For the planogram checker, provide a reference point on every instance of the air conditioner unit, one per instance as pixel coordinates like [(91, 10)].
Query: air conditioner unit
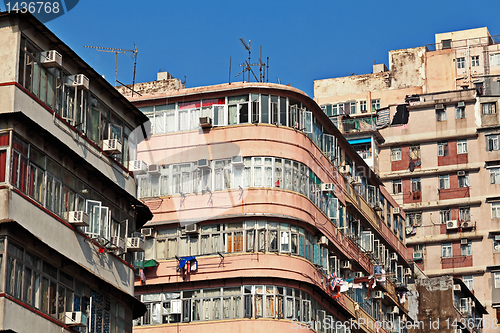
[(75, 318), (112, 146), (323, 240), (377, 206), (77, 218), (205, 122), (359, 274), (344, 264), (408, 272), (394, 256), (116, 242), (154, 169), (466, 224), (460, 173), (396, 210), (461, 104), (191, 228), (203, 163), (394, 309), (327, 187), (135, 244), (464, 241), (497, 237), (138, 166), (147, 232), (378, 294), (51, 58), (237, 160), (456, 287), (345, 169), (440, 106), (453, 224), (78, 80), (356, 180)]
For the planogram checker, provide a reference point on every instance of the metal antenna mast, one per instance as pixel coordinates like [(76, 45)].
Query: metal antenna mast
[(116, 51), (247, 65)]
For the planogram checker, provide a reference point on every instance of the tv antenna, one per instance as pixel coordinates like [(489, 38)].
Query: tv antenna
[(247, 65), (116, 51)]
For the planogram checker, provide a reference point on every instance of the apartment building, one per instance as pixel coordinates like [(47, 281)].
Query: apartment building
[(68, 209), (435, 151), (259, 205)]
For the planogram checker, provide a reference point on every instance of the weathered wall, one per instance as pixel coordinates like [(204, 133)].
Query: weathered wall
[(151, 88)]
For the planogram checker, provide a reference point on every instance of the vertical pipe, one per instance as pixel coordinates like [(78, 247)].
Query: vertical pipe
[(229, 70)]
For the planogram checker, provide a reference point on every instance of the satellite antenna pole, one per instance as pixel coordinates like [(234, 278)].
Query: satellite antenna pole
[(115, 51), (135, 64), (267, 69), (229, 70)]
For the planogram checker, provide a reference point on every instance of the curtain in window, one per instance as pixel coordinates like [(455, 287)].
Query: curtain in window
[(233, 114), (183, 120), (171, 247)]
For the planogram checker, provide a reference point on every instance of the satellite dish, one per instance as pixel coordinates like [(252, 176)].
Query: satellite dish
[(418, 163)]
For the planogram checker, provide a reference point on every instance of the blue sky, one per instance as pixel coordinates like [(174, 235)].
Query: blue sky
[(304, 40)]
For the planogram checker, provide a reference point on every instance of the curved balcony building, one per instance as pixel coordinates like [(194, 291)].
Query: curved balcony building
[(258, 200)]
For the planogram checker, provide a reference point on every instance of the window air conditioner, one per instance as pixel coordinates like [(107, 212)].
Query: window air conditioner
[(417, 255), (138, 166), (464, 241), (191, 228), (77, 218), (461, 104), (78, 80), (135, 244), (75, 318), (497, 237), (116, 243), (147, 232), (408, 272), (112, 146), (203, 163), (323, 240), (456, 287), (51, 58), (345, 169), (358, 274), (205, 122), (466, 224), (394, 256), (237, 160), (154, 169), (344, 264), (356, 180), (378, 294), (396, 210), (327, 187), (377, 206), (460, 173), (439, 106), (453, 224)]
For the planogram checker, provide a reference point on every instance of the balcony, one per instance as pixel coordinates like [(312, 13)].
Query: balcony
[(358, 125)]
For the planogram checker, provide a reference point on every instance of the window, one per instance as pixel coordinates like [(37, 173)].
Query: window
[(418, 251), (444, 216), (466, 249), (495, 209), (416, 185), (489, 108), (415, 152), (463, 180), (443, 148), (495, 176), (397, 186), (474, 61), (375, 104), (462, 147), (446, 43), (460, 112), (414, 219), (468, 280), (496, 276), (440, 114), (461, 62), (362, 106), (495, 59), (444, 182), (464, 214), (491, 142), (447, 250), (396, 154)]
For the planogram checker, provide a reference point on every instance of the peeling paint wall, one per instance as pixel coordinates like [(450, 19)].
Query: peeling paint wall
[(152, 88)]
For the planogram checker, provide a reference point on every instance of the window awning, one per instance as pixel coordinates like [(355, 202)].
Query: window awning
[(150, 263), (365, 140)]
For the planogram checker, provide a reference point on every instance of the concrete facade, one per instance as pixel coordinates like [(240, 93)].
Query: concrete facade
[(68, 209)]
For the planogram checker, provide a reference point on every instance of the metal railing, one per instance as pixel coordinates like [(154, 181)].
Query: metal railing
[(471, 42)]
